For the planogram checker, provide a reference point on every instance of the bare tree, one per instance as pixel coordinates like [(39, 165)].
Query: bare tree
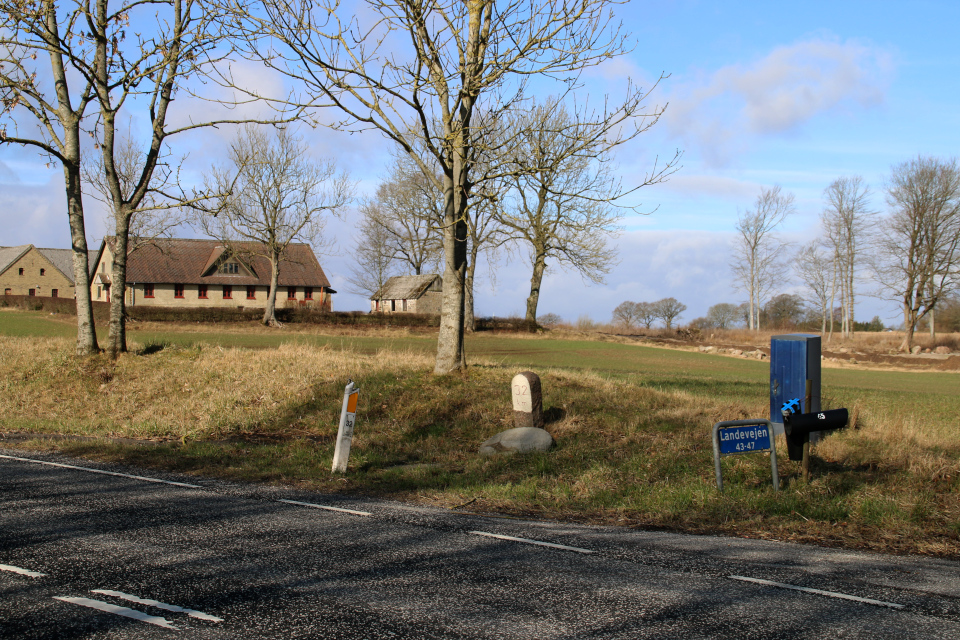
[(758, 252), (624, 315), (409, 207), (46, 86), (374, 258), (847, 221), (155, 216), (417, 70), (646, 314), (918, 256), (784, 311), (563, 193), (127, 56), (279, 197), (724, 314), (816, 270), (668, 310)]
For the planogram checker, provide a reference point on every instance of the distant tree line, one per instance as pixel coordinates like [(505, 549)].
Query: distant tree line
[(911, 255), (645, 314)]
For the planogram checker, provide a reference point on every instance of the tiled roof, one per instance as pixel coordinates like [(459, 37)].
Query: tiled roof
[(62, 259), (185, 261), (408, 287), (9, 255)]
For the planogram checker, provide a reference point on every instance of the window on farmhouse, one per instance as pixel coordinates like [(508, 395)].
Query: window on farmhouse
[(227, 292), (33, 292), (178, 291), (229, 268), (147, 290), (21, 271), (43, 272), (251, 293), (202, 291), (308, 293), (54, 293), (291, 293), (8, 292)]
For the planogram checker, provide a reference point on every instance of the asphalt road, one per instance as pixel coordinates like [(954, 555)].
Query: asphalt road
[(94, 555)]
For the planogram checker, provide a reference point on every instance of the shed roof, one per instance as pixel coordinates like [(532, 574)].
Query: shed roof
[(408, 287)]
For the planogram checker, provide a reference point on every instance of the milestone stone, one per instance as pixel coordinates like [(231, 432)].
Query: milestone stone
[(527, 400)]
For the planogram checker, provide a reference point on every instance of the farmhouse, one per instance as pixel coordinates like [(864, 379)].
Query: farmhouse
[(31, 271), (204, 273), (409, 294)]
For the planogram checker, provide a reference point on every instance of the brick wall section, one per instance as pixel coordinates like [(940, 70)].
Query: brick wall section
[(429, 302), (43, 285)]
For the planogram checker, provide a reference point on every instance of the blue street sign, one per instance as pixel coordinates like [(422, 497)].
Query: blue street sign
[(733, 437), (749, 439)]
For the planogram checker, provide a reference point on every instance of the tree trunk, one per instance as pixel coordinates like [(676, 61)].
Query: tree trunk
[(450, 353), (470, 320), (908, 328), (833, 298), (117, 337), (86, 328), (270, 313), (539, 265)]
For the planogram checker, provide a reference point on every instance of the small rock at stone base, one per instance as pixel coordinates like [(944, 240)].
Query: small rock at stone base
[(518, 440), (942, 349), (916, 349)]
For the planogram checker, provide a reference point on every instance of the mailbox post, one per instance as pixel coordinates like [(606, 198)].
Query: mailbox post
[(795, 374)]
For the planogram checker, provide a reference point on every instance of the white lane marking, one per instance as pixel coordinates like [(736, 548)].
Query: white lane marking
[(528, 541), (23, 572), (200, 615), (120, 611), (322, 506), (106, 473), (820, 592)]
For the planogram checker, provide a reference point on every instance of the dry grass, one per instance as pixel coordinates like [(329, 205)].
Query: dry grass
[(628, 452)]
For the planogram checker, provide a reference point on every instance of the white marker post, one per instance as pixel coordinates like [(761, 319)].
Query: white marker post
[(348, 417)]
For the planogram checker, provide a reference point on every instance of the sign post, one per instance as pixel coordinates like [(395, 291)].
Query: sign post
[(348, 416), (736, 437)]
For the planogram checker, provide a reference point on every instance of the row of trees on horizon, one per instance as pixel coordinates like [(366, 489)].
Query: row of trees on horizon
[(910, 254)]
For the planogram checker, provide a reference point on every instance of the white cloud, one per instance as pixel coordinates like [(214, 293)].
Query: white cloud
[(776, 94)]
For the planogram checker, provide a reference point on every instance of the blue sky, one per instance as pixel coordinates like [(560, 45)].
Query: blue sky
[(759, 94)]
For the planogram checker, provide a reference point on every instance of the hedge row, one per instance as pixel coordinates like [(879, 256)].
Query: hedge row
[(68, 306), (298, 315)]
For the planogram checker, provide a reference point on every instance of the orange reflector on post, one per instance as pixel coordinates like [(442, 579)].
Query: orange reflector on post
[(352, 402)]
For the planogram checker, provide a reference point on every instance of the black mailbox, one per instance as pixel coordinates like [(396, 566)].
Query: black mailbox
[(798, 427)]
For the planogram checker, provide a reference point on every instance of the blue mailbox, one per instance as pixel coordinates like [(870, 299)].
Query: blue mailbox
[(794, 373)]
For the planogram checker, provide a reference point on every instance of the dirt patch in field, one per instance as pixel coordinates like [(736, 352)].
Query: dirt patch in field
[(838, 356)]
